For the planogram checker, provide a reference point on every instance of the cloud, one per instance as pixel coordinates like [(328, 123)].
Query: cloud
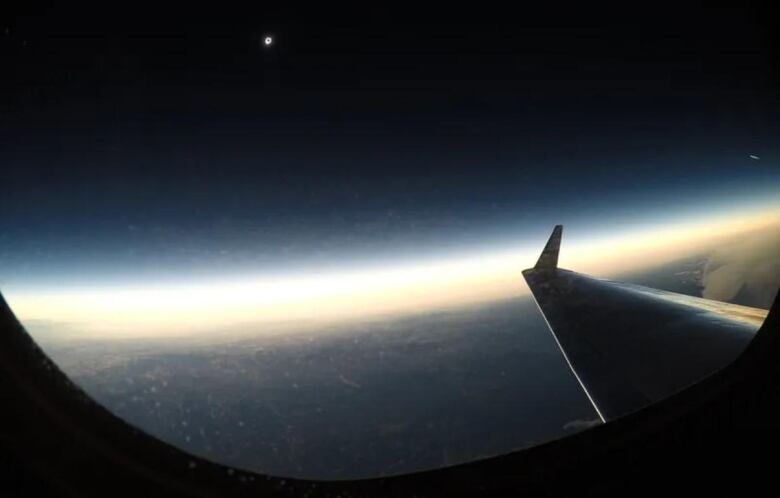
[(580, 424), (745, 272)]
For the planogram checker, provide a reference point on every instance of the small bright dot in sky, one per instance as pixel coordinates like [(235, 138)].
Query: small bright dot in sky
[(267, 41), (754, 157)]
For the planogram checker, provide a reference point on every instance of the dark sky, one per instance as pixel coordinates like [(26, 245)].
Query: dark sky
[(141, 134)]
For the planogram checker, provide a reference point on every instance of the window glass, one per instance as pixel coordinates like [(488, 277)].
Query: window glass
[(292, 241)]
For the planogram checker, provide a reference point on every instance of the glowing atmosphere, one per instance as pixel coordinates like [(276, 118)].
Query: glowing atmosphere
[(281, 301)]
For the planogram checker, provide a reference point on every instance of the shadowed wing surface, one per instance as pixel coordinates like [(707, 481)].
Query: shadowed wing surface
[(629, 345)]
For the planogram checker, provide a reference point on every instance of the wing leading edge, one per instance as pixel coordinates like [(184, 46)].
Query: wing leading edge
[(629, 345)]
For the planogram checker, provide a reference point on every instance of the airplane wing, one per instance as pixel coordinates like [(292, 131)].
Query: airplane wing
[(629, 345)]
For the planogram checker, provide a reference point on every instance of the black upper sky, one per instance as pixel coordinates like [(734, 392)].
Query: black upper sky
[(144, 126)]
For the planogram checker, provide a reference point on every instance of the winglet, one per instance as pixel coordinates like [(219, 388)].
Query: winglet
[(549, 257)]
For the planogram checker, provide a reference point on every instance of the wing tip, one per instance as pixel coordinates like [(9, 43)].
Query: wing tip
[(549, 257)]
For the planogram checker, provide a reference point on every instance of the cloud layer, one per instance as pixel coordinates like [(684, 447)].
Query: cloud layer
[(746, 271)]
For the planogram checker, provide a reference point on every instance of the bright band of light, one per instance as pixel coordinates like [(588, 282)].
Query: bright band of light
[(216, 306)]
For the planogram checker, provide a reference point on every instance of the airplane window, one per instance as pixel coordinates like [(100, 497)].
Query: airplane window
[(294, 243)]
